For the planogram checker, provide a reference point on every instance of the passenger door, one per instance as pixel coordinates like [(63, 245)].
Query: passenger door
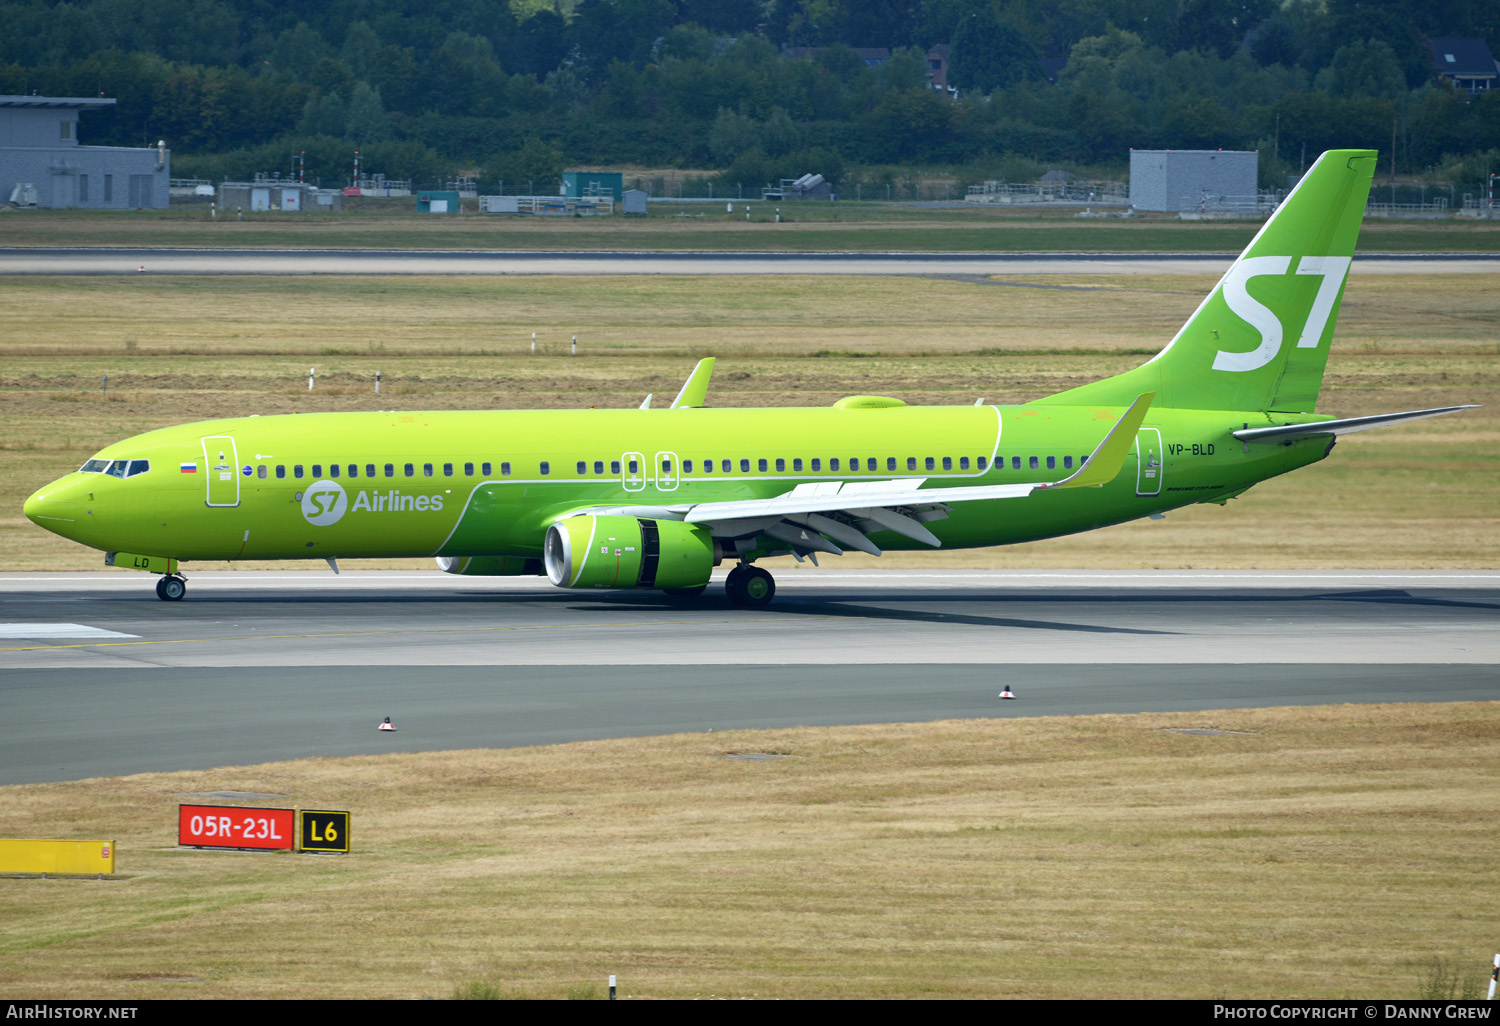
[(1148, 464), (221, 465)]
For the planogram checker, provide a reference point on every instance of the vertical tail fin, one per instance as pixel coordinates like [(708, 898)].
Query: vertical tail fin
[(1260, 340)]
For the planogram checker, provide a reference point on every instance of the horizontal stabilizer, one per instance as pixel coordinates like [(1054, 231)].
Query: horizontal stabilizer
[(1290, 432)]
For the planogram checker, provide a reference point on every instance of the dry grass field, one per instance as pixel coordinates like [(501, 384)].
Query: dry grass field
[(1312, 852), (177, 349)]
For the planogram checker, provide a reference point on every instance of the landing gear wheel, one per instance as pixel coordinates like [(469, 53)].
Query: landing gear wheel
[(750, 586), (171, 589)]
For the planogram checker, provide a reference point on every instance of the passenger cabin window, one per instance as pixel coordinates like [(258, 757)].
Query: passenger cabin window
[(354, 470), (963, 463), (582, 468), (745, 466), (635, 467), (796, 464), (948, 462), (317, 470), (761, 464), (410, 469), (1034, 463), (280, 471), (427, 470), (911, 463), (1067, 463), (598, 466), (447, 470), (468, 470), (614, 466), (983, 460), (687, 466), (1015, 463), (780, 464), (261, 472), (546, 468), (1051, 462), (505, 470), (890, 463), (833, 463), (333, 470), (708, 466), (930, 464), (390, 470), (666, 466), (484, 468)]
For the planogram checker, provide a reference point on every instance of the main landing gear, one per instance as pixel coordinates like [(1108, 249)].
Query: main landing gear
[(170, 588), (750, 586)]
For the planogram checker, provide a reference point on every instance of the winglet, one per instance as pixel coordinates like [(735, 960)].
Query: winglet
[(695, 389), (1105, 462)]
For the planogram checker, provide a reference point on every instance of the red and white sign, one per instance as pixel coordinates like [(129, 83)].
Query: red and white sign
[(233, 826)]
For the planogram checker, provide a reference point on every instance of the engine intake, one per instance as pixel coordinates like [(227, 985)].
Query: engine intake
[(628, 552)]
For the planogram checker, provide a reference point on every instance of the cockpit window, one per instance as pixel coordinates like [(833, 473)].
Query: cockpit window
[(116, 468)]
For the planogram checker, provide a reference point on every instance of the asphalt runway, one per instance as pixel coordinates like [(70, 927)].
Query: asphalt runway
[(98, 677), (83, 261)]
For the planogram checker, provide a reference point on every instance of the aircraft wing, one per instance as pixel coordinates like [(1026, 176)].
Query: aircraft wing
[(829, 516)]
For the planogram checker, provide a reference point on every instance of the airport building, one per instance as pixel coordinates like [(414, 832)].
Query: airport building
[(1193, 180), (42, 164)]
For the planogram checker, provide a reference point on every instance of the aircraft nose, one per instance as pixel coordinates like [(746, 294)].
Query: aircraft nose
[(53, 507)]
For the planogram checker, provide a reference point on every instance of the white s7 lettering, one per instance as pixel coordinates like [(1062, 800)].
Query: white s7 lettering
[(1264, 320)]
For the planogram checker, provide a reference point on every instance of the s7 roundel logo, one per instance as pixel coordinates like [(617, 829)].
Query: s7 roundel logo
[(1263, 319), (324, 503)]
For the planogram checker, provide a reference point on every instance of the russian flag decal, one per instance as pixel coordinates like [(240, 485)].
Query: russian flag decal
[(188, 468)]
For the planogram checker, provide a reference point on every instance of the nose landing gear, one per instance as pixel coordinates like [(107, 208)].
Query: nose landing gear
[(170, 588), (749, 585)]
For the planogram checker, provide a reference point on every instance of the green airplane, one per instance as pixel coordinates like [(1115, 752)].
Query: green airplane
[(656, 498)]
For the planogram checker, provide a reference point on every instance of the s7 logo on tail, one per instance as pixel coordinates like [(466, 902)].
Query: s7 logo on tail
[(1266, 321)]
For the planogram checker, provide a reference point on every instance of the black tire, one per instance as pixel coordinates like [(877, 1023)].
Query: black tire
[(171, 589), (750, 586)]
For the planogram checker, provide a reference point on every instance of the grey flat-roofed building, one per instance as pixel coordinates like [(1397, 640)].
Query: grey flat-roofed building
[(1181, 180), (39, 149)]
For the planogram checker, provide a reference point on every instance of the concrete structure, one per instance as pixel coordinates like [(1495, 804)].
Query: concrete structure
[(580, 184), (265, 194), (1193, 180), (41, 161)]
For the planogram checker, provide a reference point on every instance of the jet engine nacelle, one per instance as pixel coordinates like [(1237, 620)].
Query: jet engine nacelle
[(628, 552), (490, 566)]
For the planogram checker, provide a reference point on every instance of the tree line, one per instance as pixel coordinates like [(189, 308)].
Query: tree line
[(518, 90)]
